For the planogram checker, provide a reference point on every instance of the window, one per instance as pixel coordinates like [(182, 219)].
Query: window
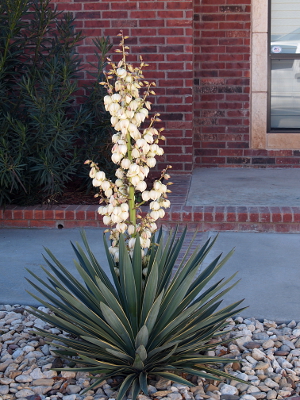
[(284, 64), (262, 136)]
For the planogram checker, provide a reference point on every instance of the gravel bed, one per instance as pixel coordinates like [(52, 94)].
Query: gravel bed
[(269, 355)]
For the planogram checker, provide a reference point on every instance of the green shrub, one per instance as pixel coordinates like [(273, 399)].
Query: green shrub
[(96, 131), (43, 132), (145, 321)]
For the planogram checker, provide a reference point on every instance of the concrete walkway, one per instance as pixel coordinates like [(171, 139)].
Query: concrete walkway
[(245, 187), (268, 265)]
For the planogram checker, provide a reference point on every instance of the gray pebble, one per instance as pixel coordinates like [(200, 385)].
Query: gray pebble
[(72, 389), (4, 389), (24, 393)]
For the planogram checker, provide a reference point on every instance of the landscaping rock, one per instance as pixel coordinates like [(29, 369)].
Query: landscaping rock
[(267, 358)]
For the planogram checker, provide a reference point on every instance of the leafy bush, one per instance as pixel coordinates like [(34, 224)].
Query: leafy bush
[(144, 322), (97, 129), (43, 132)]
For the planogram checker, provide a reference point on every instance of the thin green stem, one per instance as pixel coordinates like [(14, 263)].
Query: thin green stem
[(131, 199), (132, 209)]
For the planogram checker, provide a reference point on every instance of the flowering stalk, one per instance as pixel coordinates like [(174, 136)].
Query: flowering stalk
[(131, 193), (134, 152)]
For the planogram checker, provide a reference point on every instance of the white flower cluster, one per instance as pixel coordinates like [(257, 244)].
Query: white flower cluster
[(134, 151)]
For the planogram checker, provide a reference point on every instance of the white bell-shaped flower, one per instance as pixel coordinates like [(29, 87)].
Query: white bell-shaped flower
[(96, 182), (116, 257), (148, 138), (100, 175), (146, 234), (106, 220), (161, 213), (135, 180), (113, 108), (154, 148), (108, 192), (145, 243), (121, 73), (105, 185), (124, 215), (110, 208), (145, 170), (154, 205), (131, 243), (154, 215), (124, 123), (145, 148), (121, 227), (134, 132), (159, 187), (140, 143), (153, 227), (119, 172), (129, 114), (145, 112), (117, 126), (118, 86), (125, 163), (124, 207), (119, 182), (166, 203), (107, 100), (116, 158), (151, 162), (116, 218), (133, 170), (131, 229), (146, 195), (135, 153), (115, 137), (116, 97), (134, 104), (139, 118), (122, 149), (160, 151), (141, 186), (102, 210), (112, 250), (117, 211), (154, 195), (92, 173)]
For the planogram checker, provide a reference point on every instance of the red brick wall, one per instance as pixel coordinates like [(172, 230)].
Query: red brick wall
[(222, 71), (222, 89), (206, 120), (162, 32)]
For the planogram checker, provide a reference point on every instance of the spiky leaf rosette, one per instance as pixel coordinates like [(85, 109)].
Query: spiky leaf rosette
[(148, 320)]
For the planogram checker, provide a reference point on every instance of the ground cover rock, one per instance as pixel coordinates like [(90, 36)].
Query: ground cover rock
[(267, 358), (228, 389)]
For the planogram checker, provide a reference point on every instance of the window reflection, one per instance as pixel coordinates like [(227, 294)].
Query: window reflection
[(285, 26), (285, 71), (285, 94)]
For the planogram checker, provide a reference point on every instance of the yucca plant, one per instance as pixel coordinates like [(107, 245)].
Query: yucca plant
[(147, 320)]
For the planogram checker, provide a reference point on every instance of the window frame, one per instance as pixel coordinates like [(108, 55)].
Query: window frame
[(260, 136), (273, 56)]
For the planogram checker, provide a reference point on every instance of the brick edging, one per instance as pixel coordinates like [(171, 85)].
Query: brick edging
[(202, 218)]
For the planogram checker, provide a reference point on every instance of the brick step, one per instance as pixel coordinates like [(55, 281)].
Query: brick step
[(202, 218)]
